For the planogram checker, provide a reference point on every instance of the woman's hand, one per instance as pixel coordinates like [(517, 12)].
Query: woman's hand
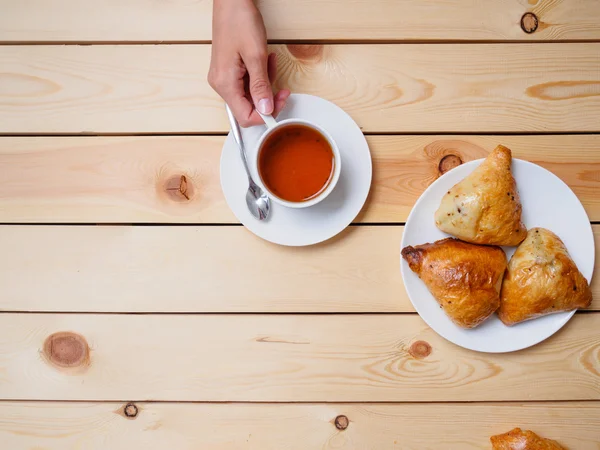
[(241, 70)]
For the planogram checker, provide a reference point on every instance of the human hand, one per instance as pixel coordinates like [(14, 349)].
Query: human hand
[(241, 70)]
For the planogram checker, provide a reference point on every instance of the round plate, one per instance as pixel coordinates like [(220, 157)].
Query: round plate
[(547, 202), (297, 227)]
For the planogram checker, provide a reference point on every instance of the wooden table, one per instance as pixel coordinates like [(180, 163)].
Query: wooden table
[(134, 313)]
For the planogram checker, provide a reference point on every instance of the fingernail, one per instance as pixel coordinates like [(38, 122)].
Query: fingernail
[(265, 106)]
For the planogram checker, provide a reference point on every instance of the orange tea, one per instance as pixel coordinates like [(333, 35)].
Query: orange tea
[(296, 163)]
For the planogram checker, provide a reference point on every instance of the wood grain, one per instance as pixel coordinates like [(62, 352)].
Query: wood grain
[(190, 269), (186, 426), (102, 361), (136, 179), (113, 179), (325, 358), (386, 88), (183, 20)]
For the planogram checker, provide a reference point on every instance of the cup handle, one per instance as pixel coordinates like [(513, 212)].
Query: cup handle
[(270, 122)]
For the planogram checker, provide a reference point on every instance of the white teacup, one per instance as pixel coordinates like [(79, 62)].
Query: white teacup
[(272, 126)]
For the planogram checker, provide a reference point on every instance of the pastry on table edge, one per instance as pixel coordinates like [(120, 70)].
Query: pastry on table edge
[(464, 278), (484, 208), (518, 439)]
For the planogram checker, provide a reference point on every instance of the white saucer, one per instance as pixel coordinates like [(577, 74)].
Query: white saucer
[(298, 227), (547, 202)]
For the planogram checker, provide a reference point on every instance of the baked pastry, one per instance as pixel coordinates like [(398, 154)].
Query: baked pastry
[(484, 208), (464, 278), (541, 279), (518, 439)]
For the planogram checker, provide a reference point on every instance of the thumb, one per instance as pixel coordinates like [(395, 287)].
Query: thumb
[(260, 87)]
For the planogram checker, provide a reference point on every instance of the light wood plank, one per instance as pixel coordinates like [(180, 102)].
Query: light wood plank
[(182, 20), (285, 358), (199, 269), (132, 179), (386, 88), (113, 179), (71, 426), (192, 269)]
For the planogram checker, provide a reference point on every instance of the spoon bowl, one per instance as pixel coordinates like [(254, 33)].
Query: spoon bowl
[(257, 201)]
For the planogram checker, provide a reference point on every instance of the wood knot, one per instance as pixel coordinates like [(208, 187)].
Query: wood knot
[(130, 410), (529, 22), (306, 53), (179, 188), (420, 349), (341, 422), (449, 162), (66, 349)]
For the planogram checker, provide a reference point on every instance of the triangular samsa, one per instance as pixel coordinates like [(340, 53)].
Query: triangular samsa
[(518, 439), (484, 208), (464, 278), (541, 279)]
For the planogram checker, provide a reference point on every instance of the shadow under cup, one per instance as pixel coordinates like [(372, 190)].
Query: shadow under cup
[(298, 163)]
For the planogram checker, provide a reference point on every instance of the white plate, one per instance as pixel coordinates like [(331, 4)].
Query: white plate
[(547, 202), (296, 227)]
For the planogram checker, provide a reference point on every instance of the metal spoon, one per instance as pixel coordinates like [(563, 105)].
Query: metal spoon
[(257, 201)]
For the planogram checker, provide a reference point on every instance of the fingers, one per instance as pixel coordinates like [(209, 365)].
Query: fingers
[(260, 86), (282, 96), (245, 113), (272, 67), (234, 90), (280, 101)]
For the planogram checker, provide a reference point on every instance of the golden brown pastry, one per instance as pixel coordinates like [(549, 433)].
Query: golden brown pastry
[(464, 278), (484, 208), (541, 279), (518, 439)]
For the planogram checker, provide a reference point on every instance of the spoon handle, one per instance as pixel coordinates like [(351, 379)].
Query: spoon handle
[(237, 135), (268, 119)]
